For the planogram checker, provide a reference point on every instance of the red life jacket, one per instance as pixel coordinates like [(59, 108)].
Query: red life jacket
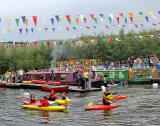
[(52, 97), (44, 103)]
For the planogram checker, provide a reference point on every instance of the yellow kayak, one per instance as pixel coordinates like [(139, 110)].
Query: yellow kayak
[(49, 108), (27, 82), (63, 102)]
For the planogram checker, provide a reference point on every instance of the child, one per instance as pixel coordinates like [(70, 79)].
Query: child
[(44, 102), (52, 96), (32, 99), (64, 96)]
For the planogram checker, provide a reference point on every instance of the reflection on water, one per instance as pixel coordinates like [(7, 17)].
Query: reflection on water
[(142, 107)]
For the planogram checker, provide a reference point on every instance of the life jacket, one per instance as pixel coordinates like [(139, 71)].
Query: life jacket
[(21, 72), (52, 97), (44, 103)]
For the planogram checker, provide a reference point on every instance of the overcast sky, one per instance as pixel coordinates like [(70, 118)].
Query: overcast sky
[(50, 8)]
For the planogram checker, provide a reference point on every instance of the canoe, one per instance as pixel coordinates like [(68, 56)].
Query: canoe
[(27, 82), (102, 107), (49, 108), (63, 102), (28, 103), (119, 97), (38, 81), (3, 85), (54, 83), (113, 84), (55, 88)]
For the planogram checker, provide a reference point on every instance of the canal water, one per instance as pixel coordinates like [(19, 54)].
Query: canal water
[(141, 108)]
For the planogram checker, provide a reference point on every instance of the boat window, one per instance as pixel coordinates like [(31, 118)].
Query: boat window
[(106, 74), (63, 76), (42, 77), (33, 77)]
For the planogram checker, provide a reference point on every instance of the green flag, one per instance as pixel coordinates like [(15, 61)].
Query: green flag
[(110, 19), (17, 21), (125, 20), (95, 19), (70, 20), (141, 13)]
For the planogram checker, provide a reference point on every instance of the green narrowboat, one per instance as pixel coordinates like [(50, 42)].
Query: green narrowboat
[(119, 75)]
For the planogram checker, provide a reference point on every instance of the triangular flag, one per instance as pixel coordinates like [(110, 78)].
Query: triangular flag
[(92, 16), (98, 41), (154, 24), (94, 26), (136, 25), (26, 21), (110, 19), (7, 43), (26, 30), (85, 20), (88, 27), (158, 12), (130, 14), (147, 36), (42, 43), (131, 18), (73, 42), (17, 21), (60, 19), (139, 18), (110, 40), (118, 20), (20, 30), (77, 20), (147, 18), (52, 21), (53, 29), (32, 29), (121, 14), (23, 19), (35, 44), (68, 17), (57, 17), (48, 43), (142, 25), (151, 13), (125, 20), (8, 20), (107, 27), (67, 28), (35, 20), (70, 20), (74, 28), (141, 13), (9, 30), (95, 19), (46, 29), (101, 17)]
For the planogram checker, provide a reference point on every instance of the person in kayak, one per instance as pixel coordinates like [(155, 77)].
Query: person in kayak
[(111, 82), (44, 102), (64, 96), (52, 96), (105, 95), (33, 98), (123, 82)]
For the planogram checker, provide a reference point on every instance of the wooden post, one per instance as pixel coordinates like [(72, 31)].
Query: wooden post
[(89, 81)]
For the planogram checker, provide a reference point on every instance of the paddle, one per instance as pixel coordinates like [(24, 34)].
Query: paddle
[(25, 95), (92, 103)]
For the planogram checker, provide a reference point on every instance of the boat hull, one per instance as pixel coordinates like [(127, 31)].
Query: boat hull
[(102, 107), (55, 88)]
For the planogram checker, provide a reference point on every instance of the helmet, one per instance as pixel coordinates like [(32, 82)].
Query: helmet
[(103, 88), (52, 91)]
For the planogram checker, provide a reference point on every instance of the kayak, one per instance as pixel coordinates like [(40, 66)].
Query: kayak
[(49, 108), (119, 97), (113, 84), (63, 102), (102, 107), (62, 88), (53, 83), (38, 81), (29, 103), (27, 82)]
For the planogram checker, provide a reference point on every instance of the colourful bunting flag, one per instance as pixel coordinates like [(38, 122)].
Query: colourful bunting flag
[(110, 19), (140, 37), (88, 27), (95, 19), (121, 14), (35, 20), (67, 28), (107, 27), (27, 43), (20, 30), (101, 17), (92, 16), (9, 30), (98, 41), (147, 36), (85, 20), (26, 30), (86, 41), (141, 13), (23, 19), (154, 24), (131, 18), (52, 21), (17, 21), (26, 21), (48, 43), (73, 42), (142, 25), (74, 28), (77, 20), (32, 29), (118, 20), (110, 40), (94, 26), (46, 29), (21, 44), (53, 29), (68, 18), (82, 17), (35, 44), (8, 20), (139, 18), (147, 18), (136, 25), (42, 43), (151, 13), (130, 14), (57, 17), (125, 20), (158, 12)]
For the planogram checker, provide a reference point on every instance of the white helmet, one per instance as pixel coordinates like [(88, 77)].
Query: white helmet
[(103, 88)]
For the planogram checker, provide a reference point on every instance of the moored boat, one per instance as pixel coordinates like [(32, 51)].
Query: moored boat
[(61, 88)]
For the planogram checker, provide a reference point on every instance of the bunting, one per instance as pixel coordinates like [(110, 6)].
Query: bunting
[(17, 21), (23, 19), (35, 20), (101, 17), (52, 21)]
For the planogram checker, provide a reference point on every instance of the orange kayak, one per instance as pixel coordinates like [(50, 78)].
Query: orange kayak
[(119, 97)]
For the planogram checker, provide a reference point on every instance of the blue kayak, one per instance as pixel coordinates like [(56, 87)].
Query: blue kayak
[(113, 84)]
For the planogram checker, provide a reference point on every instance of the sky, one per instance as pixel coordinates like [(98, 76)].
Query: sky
[(49, 8)]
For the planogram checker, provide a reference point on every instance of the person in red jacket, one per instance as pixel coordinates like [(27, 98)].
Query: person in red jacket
[(52, 96), (44, 102), (32, 99)]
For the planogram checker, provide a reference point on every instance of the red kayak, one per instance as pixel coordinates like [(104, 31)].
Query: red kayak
[(102, 107), (54, 83), (29, 103), (55, 88), (3, 85), (119, 97), (38, 81)]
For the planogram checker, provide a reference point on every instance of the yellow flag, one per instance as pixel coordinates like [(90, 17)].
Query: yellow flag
[(8, 20), (27, 43), (60, 19), (9, 30), (139, 18), (151, 13), (140, 37)]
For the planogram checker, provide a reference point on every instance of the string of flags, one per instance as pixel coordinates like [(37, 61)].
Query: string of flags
[(120, 19), (79, 42)]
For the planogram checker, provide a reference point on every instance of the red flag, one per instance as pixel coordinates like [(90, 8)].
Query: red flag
[(35, 44), (118, 20), (68, 17), (92, 16), (107, 27), (131, 18), (110, 40), (48, 43), (154, 24), (88, 27), (147, 36), (67, 28), (35, 20), (121, 14), (46, 29), (85, 20), (136, 25), (20, 30), (86, 41)]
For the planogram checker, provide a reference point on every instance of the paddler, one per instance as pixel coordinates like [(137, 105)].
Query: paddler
[(33, 98), (52, 96), (44, 102), (105, 100), (64, 96)]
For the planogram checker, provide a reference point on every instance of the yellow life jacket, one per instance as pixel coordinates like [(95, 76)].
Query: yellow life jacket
[(21, 72)]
